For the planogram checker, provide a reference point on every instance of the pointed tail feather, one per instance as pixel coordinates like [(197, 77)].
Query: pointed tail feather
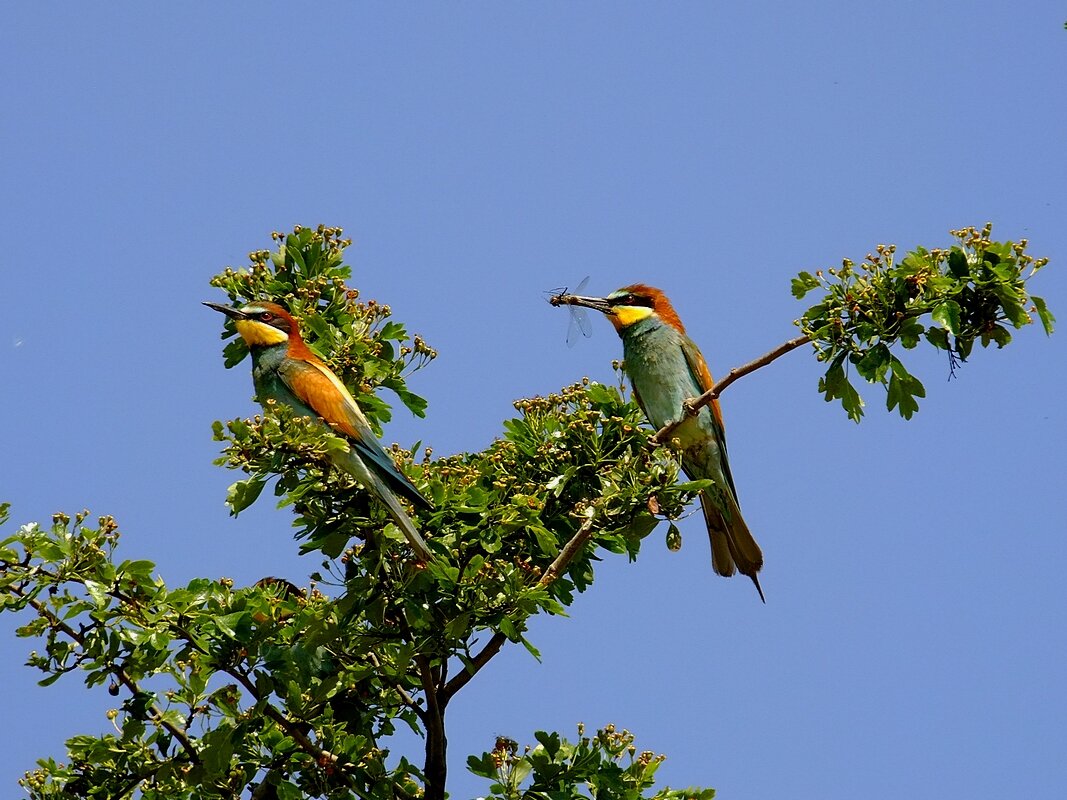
[(352, 464), (732, 544), (407, 527)]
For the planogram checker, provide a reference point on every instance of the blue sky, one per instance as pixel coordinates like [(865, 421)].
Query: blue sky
[(913, 643)]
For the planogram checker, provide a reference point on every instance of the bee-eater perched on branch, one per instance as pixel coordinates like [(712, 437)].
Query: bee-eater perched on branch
[(665, 369), (285, 370)]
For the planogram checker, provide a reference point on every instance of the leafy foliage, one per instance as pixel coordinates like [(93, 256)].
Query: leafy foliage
[(607, 763), (971, 292), (362, 345), (290, 692)]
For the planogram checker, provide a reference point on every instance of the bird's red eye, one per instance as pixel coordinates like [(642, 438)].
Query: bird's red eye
[(266, 316)]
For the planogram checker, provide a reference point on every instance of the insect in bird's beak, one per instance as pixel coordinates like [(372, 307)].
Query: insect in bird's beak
[(601, 304), (233, 313), (579, 319)]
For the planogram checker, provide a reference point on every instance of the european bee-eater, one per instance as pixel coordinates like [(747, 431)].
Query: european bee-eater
[(285, 370), (665, 369)]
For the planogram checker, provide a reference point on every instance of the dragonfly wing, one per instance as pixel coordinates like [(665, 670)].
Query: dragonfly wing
[(579, 318)]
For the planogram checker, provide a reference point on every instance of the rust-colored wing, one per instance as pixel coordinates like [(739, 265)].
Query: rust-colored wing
[(317, 387), (701, 374)]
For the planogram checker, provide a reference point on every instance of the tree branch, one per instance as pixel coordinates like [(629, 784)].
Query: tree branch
[(321, 755), (405, 697), (569, 551), (585, 532), (693, 405), (118, 671), (492, 647), (435, 769)]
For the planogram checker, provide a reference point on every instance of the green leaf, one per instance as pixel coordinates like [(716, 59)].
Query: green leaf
[(938, 337), (415, 403), (228, 622), (803, 283), (601, 394), (902, 391), (998, 334), (318, 325), (520, 771), (549, 741), (641, 526), (947, 315), (287, 791), (836, 386), (507, 627), (957, 264), (242, 494), (530, 648), (483, 766), (98, 592), (293, 254), (1009, 302), (910, 331), (874, 364), (964, 345), (392, 330), (234, 353), (1047, 320)]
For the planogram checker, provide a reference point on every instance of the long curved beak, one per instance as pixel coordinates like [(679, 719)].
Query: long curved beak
[(233, 313), (600, 304)]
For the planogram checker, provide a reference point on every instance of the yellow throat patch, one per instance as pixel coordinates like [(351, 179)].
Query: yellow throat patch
[(625, 316), (259, 334)]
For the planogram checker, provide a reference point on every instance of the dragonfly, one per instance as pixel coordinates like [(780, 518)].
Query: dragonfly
[(579, 319)]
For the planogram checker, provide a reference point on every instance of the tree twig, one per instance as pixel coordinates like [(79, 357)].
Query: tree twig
[(492, 647), (569, 551), (157, 713), (585, 532), (693, 405), (407, 699)]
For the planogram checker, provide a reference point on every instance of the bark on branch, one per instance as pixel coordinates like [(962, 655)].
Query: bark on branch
[(492, 647), (154, 711)]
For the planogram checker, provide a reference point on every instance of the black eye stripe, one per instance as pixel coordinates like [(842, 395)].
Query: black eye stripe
[(272, 319), (632, 300)]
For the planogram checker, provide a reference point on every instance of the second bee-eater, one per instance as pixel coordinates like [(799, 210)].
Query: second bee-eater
[(665, 369), (285, 370)]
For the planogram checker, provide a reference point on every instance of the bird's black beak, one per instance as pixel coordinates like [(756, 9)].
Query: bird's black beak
[(601, 304), (233, 313)]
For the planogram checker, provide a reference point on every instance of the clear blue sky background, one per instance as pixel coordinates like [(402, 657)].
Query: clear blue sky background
[(913, 643)]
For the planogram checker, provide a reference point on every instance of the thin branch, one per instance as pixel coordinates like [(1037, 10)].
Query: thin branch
[(123, 677), (292, 729), (320, 754), (407, 699), (693, 405), (567, 554), (492, 647), (585, 532)]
